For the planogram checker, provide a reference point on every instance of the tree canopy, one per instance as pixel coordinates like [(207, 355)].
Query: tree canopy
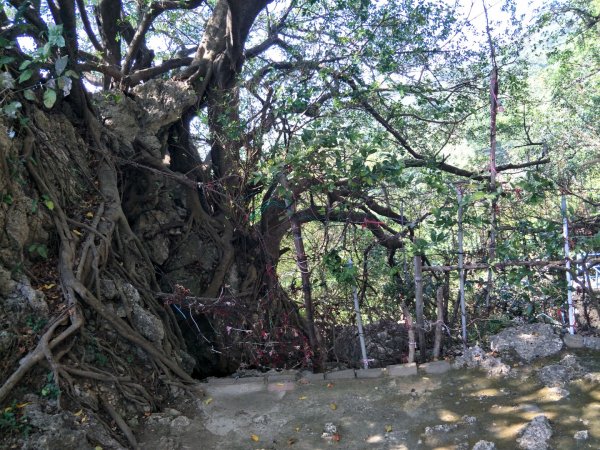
[(230, 156)]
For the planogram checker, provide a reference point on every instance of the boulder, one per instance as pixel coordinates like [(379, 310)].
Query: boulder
[(528, 342), (558, 375), (147, 324), (475, 357), (554, 375), (535, 434)]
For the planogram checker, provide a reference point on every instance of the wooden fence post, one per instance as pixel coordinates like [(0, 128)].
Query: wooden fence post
[(461, 267), (437, 345), (419, 307)]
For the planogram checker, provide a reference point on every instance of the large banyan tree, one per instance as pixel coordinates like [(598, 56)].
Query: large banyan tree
[(169, 146)]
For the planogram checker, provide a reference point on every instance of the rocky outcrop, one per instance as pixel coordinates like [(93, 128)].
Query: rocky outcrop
[(558, 375), (528, 342), (475, 357)]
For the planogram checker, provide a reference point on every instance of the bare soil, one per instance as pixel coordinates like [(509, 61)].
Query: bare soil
[(454, 410)]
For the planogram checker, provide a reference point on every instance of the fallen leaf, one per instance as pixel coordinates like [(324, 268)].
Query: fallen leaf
[(89, 215), (336, 437), (208, 401), (97, 448), (388, 428), (303, 397), (78, 413), (254, 437), (48, 286), (297, 429), (23, 405), (292, 441), (329, 385), (77, 232), (333, 406)]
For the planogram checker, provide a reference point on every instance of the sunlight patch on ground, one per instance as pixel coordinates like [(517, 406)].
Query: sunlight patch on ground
[(508, 431), (375, 439), (488, 392), (448, 416)]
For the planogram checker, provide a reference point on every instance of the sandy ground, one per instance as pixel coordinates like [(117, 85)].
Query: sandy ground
[(454, 410)]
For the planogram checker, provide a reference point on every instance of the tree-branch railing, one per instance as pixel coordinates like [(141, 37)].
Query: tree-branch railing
[(553, 264)]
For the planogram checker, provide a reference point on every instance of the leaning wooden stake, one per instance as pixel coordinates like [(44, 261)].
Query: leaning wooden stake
[(419, 306), (563, 208), (461, 267), (411, 332), (361, 333), (493, 113), (437, 345), (302, 263)]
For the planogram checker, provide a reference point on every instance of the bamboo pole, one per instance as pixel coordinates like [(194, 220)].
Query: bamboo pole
[(461, 268), (439, 323), (419, 306), (563, 208), (361, 333), (493, 172), (411, 332)]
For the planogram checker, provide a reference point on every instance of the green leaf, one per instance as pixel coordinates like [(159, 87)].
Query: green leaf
[(72, 74), (25, 75), (6, 59), (49, 204), (11, 109), (25, 64), (42, 251), (55, 36), (49, 98), (29, 94), (61, 64)]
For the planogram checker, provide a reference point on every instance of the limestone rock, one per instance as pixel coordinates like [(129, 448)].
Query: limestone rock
[(443, 428), (475, 357), (591, 342), (529, 341), (180, 423), (147, 324), (6, 340), (554, 375), (535, 434), (558, 375), (23, 296), (582, 435)]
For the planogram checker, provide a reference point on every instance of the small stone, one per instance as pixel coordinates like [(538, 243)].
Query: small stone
[(582, 435), (329, 430), (443, 428), (484, 445), (180, 423)]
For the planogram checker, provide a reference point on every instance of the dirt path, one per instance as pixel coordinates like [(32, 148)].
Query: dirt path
[(453, 410)]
